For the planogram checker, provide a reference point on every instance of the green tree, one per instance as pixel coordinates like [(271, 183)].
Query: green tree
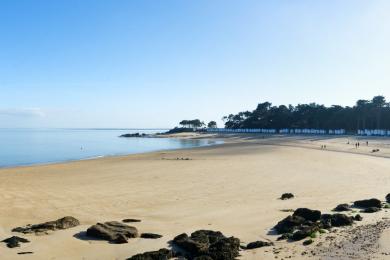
[(212, 124)]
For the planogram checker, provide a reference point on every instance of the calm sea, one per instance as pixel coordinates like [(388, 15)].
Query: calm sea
[(39, 146)]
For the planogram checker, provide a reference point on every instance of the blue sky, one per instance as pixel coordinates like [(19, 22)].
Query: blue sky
[(142, 63)]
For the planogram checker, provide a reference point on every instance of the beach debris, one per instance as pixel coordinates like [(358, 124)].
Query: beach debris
[(371, 210), (112, 231), (342, 207), (25, 253), (207, 244), (308, 214), (161, 254), (287, 210), (368, 203), (287, 196), (375, 150), (151, 236), (258, 244), (131, 220), (15, 241), (62, 223)]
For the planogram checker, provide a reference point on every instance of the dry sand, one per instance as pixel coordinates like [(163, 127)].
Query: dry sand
[(233, 188)]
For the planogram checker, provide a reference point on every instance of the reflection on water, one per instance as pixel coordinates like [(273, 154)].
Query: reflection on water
[(34, 146)]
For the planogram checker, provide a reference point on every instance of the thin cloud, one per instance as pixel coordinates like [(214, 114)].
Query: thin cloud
[(22, 112)]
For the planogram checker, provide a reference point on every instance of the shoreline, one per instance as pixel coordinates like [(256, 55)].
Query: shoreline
[(232, 187), (108, 156)]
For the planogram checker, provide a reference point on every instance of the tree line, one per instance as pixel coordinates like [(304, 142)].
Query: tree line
[(196, 123), (365, 114)]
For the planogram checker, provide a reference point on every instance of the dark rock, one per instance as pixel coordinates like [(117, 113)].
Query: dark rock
[(162, 254), (286, 196), (150, 236), (120, 239), (335, 220), (284, 237), (289, 224), (368, 203), (14, 241), (190, 246), (62, 223), (112, 231), (326, 221), (308, 214), (304, 233), (225, 248), (371, 210), (209, 243), (308, 242), (388, 198), (339, 220), (258, 244), (203, 257), (358, 217), (131, 220), (342, 207)]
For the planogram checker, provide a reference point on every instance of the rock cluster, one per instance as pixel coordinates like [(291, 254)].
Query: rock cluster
[(62, 223), (207, 244), (304, 222), (162, 254)]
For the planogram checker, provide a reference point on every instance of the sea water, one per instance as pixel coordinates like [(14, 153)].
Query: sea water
[(40, 146)]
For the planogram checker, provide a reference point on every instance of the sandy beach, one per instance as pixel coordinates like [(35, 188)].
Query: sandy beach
[(233, 188)]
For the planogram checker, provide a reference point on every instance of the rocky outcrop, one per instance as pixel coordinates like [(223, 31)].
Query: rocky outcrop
[(133, 135), (388, 198), (371, 210), (308, 214), (113, 231), (15, 241), (287, 196), (150, 236), (207, 244), (305, 222), (62, 223), (338, 220), (289, 224), (258, 244), (342, 207), (162, 254), (368, 203)]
